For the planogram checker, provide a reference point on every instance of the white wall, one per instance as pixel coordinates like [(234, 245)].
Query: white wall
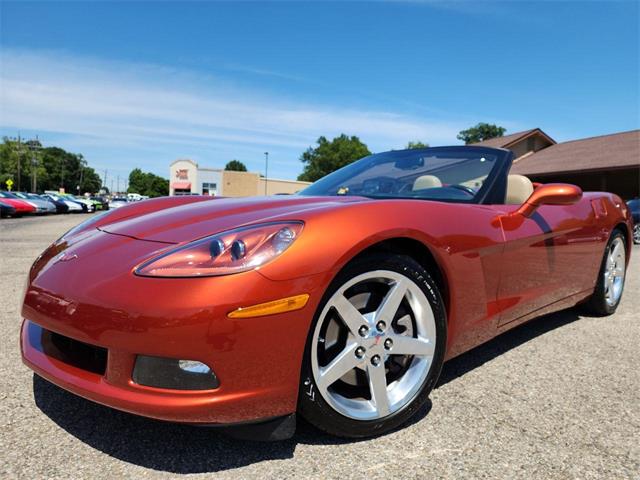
[(184, 171)]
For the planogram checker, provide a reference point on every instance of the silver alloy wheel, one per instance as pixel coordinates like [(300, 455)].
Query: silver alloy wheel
[(636, 233), (372, 343), (614, 272)]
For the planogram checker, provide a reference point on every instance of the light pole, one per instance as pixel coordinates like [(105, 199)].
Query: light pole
[(266, 171)]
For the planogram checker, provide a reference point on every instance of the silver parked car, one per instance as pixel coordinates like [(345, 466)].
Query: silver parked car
[(42, 205)]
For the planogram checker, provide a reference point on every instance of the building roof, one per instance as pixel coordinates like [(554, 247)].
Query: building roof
[(507, 140), (617, 150)]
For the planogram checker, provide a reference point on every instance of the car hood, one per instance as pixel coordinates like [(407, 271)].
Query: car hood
[(196, 220)]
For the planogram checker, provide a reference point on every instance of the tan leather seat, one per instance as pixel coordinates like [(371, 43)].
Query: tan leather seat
[(519, 188), (426, 181)]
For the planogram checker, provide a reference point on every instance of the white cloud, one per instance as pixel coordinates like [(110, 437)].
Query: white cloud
[(136, 106)]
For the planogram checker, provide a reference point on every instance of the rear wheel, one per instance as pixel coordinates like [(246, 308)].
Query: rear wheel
[(376, 348), (610, 284)]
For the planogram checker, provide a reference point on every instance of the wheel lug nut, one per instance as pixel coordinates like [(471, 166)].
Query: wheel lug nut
[(375, 360), (363, 331), (388, 343), (360, 352), (381, 325)]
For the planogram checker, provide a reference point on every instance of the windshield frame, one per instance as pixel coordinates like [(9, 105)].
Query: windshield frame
[(492, 191)]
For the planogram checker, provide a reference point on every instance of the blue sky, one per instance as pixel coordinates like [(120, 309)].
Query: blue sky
[(140, 84)]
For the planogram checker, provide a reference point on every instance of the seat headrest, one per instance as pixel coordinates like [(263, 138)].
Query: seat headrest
[(426, 181), (519, 188)]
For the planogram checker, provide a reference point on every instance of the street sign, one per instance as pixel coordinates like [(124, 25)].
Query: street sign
[(9, 183)]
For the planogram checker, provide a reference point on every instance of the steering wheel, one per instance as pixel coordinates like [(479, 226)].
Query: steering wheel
[(465, 189)]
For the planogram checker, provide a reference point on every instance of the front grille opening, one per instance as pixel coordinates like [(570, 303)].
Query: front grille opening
[(67, 350)]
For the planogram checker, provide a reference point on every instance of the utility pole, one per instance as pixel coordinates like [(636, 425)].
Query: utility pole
[(81, 177), (33, 146), (118, 183), (104, 183), (19, 160), (62, 175), (266, 171)]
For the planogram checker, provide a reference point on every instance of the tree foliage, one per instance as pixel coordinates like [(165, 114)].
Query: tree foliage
[(329, 156), (54, 167), (482, 131), (416, 144), (147, 183), (235, 166)]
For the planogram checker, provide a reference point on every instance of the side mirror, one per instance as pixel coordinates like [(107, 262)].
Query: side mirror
[(550, 194)]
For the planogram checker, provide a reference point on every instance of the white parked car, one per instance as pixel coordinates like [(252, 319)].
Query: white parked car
[(74, 207), (117, 202)]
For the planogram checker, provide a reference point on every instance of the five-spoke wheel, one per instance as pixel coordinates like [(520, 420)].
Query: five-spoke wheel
[(610, 283), (614, 271), (374, 346)]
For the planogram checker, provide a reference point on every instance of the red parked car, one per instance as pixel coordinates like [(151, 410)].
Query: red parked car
[(21, 206), (340, 303)]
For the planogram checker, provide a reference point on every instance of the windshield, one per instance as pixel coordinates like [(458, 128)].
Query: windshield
[(450, 174)]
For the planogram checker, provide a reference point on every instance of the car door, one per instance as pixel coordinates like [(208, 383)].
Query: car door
[(548, 257)]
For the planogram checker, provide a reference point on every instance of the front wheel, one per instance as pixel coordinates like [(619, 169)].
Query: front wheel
[(375, 349), (636, 233)]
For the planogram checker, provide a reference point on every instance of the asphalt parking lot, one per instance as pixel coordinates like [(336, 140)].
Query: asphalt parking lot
[(556, 398)]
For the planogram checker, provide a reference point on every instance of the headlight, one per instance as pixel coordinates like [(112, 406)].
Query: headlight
[(228, 252)]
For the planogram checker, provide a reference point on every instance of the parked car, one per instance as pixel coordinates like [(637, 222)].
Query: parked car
[(22, 207), (101, 202), (42, 205), (72, 205), (634, 206), (339, 304), (90, 206), (61, 207), (117, 202), (7, 210)]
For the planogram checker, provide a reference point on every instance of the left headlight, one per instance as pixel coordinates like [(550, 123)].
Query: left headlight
[(228, 252)]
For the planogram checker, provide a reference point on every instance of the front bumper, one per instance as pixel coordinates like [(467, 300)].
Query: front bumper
[(95, 300)]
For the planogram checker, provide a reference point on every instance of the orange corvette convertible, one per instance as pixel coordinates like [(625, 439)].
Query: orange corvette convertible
[(339, 303)]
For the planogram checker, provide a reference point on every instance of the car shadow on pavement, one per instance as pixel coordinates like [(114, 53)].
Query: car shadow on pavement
[(179, 448), (509, 340)]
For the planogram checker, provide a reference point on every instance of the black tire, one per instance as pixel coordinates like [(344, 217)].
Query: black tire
[(636, 234), (597, 304), (313, 407)]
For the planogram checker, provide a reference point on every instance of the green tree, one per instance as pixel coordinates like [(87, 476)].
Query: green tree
[(236, 166), (329, 156), (482, 131), (18, 161), (147, 183), (54, 167), (416, 144)]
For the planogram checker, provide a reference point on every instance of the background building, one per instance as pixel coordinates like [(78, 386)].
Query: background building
[(187, 178), (609, 163)]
